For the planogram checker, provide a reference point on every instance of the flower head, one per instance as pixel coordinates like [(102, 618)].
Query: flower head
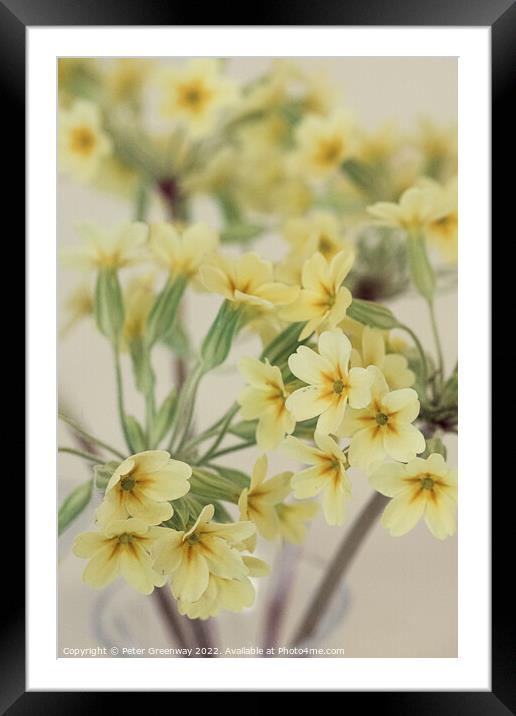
[(323, 144), (233, 595), (182, 252), (121, 548), (246, 279), (206, 548), (264, 399), (195, 94), (323, 300), (327, 474), (82, 142), (113, 248), (394, 366), (442, 231), (331, 384), (422, 488), (384, 427), (415, 209), (258, 502), (292, 518), (142, 486)]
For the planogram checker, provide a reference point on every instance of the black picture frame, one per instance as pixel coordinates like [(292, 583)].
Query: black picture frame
[(500, 16)]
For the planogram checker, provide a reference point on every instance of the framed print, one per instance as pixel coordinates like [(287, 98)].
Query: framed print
[(253, 253)]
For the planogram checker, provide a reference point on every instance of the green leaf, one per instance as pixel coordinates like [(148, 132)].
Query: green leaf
[(240, 233), (135, 434), (213, 485), (109, 304), (245, 429), (372, 314), (102, 473), (73, 505), (435, 445), (283, 345), (239, 478)]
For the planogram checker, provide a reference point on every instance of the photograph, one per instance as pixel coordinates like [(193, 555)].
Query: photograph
[(257, 358)]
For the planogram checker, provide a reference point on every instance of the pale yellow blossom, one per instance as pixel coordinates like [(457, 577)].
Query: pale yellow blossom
[(323, 300), (122, 548), (114, 248), (142, 486), (327, 474), (442, 231), (293, 516), (264, 400), (421, 489), (323, 143), (415, 210), (258, 501), (82, 143), (331, 384), (182, 252), (384, 427), (394, 366), (206, 548)]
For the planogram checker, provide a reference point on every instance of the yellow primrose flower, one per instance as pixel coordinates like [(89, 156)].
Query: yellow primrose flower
[(182, 252), (330, 383), (264, 399), (442, 232), (121, 548), (195, 94), (327, 474), (319, 232), (142, 486), (384, 427), (82, 142), (292, 518), (323, 300), (234, 595), (258, 501), (246, 279), (125, 77), (415, 209), (206, 548), (393, 365), (379, 145), (422, 488), (139, 298), (112, 248), (323, 144), (79, 305)]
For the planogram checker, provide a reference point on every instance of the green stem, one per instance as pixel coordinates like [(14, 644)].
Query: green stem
[(223, 430), (420, 350), (150, 412), (185, 409), (79, 453), (437, 339), (120, 397), (90, 438), (232, 448)]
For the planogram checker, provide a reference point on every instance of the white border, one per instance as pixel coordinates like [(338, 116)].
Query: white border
[(471, 670)]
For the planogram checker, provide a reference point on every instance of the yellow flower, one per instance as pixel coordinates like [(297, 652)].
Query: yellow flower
[(442, 232), (384, 427), (81, 140), (292, 517), (142, 486), (195, 94), (79, 305), (264, 399), (246, 279), (422, 488), (125, 78), (206, 548), (327, 475), (230, 594), (319, 232), (121, 548), (182, 252), (415, 210), (380, 145), (330, 383), (138, 300), (323, 300), (258, 502), (113, 248), (323, 144), (393, 365)]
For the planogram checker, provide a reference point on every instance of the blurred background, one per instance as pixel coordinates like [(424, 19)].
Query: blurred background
[(400, 596)]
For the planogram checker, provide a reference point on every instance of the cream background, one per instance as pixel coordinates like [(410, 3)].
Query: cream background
[(401, 594)]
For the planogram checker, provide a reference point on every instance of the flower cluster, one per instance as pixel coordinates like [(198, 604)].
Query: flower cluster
[(332, 385)]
